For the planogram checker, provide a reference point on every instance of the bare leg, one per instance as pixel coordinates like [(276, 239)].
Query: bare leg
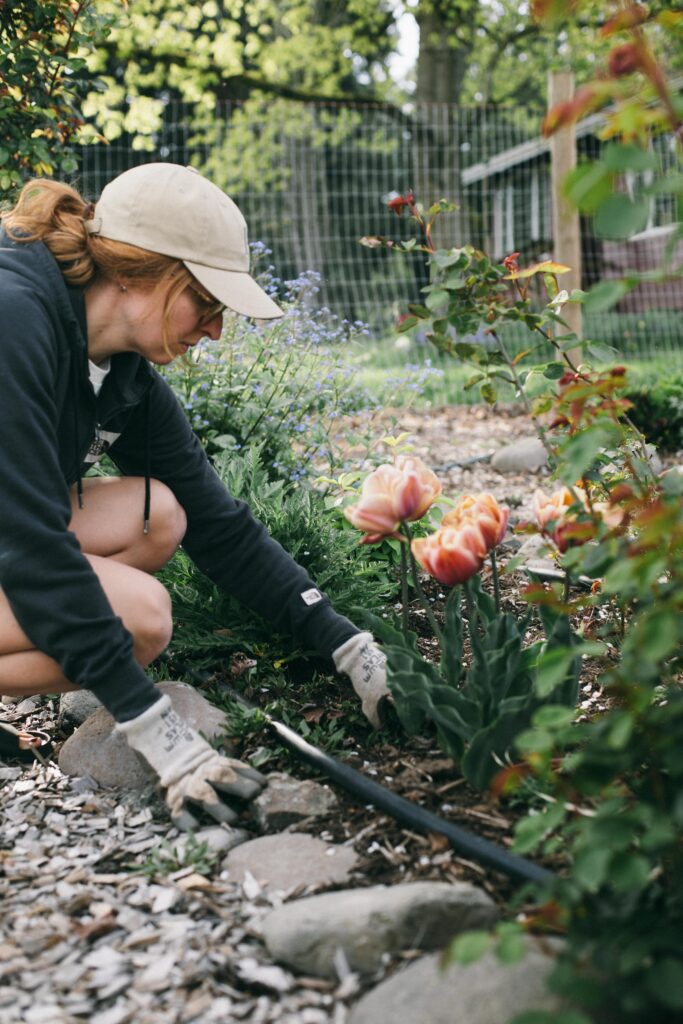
[(109, 527)]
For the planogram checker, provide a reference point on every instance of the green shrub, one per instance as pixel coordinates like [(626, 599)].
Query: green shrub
[(658, 412), (209, 622)]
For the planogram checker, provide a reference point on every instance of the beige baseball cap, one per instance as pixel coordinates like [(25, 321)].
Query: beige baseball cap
[(175, 211)]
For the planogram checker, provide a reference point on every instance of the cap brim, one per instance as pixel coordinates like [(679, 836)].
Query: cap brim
[(238, 291)]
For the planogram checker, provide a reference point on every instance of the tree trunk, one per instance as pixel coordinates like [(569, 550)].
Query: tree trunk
[(441, 68)]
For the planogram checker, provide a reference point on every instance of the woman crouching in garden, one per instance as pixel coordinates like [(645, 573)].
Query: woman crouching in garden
[(89, 297)]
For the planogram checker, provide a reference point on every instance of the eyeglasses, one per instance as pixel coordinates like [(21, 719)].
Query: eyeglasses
[(213, 307)]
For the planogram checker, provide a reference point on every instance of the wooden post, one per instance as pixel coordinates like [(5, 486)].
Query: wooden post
[(565, 219)]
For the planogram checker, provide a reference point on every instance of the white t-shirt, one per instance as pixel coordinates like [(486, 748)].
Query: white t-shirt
[(97, 372), (103, 438)]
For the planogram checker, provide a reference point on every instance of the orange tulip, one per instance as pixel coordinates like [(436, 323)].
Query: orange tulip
[(391, 495), (484, 510), (551, 514), (453, 554)]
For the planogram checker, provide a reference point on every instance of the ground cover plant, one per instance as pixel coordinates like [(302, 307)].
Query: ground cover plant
[(613, 785)]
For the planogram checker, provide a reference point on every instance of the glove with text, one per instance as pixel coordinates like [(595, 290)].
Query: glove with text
[(366, 666), (190, 771)]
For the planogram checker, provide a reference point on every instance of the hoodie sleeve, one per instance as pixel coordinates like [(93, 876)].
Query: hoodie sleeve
[(51, 587), (223, 537)]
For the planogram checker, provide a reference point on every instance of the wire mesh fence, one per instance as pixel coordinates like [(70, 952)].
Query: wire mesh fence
[(312, 179)]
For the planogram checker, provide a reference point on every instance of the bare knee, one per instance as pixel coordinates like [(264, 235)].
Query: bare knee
[(153, 627), (168, 522)]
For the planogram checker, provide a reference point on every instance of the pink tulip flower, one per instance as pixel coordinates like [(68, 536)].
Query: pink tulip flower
[(453, 554), (484, 510), (391, 495)]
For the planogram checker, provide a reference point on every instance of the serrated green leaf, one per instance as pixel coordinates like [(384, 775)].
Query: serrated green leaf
[(604, 295), (619, 217), (580, 451), (437, 299), (629, 871), (511, 948), (590, 867), (588, 186), (665, 982), (620, 157), (469, 947)]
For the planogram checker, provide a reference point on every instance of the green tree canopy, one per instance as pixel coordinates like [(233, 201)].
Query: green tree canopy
[(229, 49), (43, 81)]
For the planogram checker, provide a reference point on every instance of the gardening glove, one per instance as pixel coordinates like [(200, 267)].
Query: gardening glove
[(366, 666), (190, 771)]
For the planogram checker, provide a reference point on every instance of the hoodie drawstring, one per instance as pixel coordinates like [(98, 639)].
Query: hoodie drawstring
[(74, 384), (145, 526)]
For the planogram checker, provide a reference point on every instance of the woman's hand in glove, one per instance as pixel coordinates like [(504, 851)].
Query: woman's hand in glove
[(192, 773), (366, 666)]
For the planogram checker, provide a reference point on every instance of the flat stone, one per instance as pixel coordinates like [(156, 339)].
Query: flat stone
[(97, 751), (290, 860), (484, 992), (527, 454), (534, 554), (77, 705), (286, 801), (367, 923), (218, 839)]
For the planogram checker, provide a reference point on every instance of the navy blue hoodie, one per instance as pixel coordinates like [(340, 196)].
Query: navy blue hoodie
[(48, 418)]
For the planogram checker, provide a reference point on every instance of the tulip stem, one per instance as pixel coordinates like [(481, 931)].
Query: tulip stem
[(469, 605), (404, 588), (496, 580), (420, 592)]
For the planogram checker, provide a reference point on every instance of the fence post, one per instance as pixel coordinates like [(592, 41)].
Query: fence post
[(565, 219)]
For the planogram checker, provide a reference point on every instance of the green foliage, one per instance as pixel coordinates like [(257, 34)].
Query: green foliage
[(209, 623), (166, 858), (282, 386), (43, 48), (657, 411), (478, 711), (199, 52), (506, 941)]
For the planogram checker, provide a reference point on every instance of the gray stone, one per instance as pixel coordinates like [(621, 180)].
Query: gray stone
[(77, 705), (290, 861), (534, 554), (484, 992), (367, 923), (218, 839), (527, 454), (652, 456), (96, 750), (286, 801)]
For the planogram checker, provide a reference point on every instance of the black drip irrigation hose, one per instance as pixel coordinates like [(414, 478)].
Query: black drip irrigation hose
[(404, 811)]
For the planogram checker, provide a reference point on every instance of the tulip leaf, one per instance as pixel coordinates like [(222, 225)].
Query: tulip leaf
[(452, 653)]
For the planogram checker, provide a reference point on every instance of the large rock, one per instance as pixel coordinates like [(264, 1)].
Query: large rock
[(104, 755), (77, 705), (286, 801), (484, 992), (290, 861), (525, 455), (367, 923)]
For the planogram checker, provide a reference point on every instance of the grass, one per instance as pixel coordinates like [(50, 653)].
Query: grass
[(443, 378)]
